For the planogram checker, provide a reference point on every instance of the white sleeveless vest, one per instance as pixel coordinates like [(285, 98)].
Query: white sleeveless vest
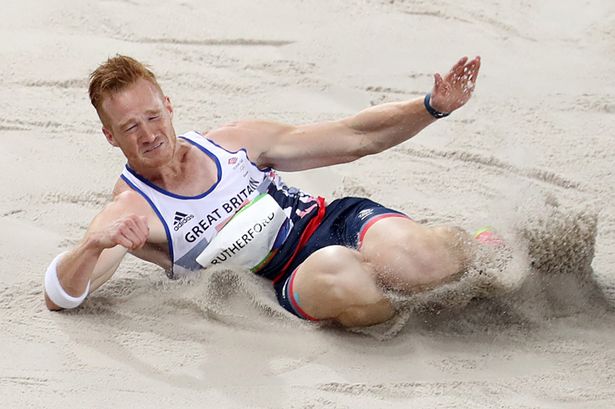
[(193, 222)]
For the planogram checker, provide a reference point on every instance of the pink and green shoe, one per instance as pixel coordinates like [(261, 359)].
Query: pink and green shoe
[(488, 236)]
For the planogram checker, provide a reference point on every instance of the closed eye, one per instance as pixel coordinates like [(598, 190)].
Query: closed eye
[(131, 128), (154, 117)]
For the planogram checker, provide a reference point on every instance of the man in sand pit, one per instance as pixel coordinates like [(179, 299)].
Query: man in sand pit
[(197, 200)]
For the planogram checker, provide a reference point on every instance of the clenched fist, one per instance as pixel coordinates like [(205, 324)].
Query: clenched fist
[(130, 231)]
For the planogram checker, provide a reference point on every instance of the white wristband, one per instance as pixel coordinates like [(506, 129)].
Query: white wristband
[(54, 289)]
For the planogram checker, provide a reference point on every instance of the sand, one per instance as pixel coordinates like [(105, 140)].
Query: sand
[(530, 326)]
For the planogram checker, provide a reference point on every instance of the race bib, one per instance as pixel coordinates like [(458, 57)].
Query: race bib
[(247, 239)]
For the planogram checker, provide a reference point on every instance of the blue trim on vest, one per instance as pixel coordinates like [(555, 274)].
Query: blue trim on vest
[(166, 228), (176, 196), (265, 169)]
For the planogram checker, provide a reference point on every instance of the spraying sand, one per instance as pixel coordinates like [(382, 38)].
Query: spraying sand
[(529, 325)]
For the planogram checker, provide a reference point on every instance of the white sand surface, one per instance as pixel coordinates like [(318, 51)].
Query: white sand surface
[(532, 154)]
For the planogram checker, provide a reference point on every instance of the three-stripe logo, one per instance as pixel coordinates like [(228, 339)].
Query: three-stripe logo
[(180, 219)]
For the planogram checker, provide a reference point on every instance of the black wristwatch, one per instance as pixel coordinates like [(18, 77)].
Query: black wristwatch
[(435, 113)]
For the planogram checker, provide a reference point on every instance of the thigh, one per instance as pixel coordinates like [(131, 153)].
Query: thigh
[(336, 283), (344, 224)]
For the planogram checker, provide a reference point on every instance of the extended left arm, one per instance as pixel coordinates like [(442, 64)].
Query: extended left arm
[(291, 148), (329, 143)]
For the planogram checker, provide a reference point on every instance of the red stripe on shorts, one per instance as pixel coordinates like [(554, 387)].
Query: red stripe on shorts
[(305, 236)]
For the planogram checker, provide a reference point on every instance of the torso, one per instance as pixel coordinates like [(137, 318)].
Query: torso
[(203, 171), (204, 174)]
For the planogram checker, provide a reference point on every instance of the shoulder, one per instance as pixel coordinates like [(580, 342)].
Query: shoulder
[(256, 136), (126, 201)]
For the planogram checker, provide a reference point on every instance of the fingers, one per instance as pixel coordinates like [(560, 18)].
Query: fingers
[(470, 75), (462, 68), (131, 232), (474, 68), (124, 239), (459, 64), (471, 69), (141, 222), (137, 231), (455, 89), (441, 87), (463, 75), (456, 70), (437, 81)]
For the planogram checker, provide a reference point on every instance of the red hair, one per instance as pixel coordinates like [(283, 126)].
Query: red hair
[(116, 74)]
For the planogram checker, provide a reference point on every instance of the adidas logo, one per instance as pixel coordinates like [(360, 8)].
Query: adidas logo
[(181, 219)]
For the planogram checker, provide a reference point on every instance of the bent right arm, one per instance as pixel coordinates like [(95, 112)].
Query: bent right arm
[(94, 260)]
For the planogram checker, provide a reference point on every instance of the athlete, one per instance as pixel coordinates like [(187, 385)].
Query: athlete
[(204, 199)]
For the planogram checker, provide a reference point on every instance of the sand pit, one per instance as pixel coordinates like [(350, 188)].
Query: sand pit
[(531, 325)]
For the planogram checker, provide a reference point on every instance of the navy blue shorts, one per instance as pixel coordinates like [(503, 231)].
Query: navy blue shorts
[(345, 222)]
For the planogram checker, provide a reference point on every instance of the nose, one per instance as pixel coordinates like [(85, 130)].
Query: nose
[(148, 133)]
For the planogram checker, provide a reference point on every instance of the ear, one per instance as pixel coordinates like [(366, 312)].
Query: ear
[(109, 137), (168, 105)]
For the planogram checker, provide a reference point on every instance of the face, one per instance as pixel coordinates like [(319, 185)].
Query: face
[(138, 120)]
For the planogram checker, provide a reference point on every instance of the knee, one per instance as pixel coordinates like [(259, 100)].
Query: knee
[(429, 239), (457, 242), (442, 253), (331, 291), (330, 277), (353, 305), (334, 279), (450, 234), (416, 258), (324, 296)]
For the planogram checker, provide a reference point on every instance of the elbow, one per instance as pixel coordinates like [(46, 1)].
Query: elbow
[(369, 146)]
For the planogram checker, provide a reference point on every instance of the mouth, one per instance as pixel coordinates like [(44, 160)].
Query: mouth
[(153, 148)]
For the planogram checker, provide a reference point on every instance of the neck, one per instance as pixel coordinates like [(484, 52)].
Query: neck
[(166, 175)]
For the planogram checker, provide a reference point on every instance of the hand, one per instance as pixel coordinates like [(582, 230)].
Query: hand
[(455, 89), (130, 232)]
